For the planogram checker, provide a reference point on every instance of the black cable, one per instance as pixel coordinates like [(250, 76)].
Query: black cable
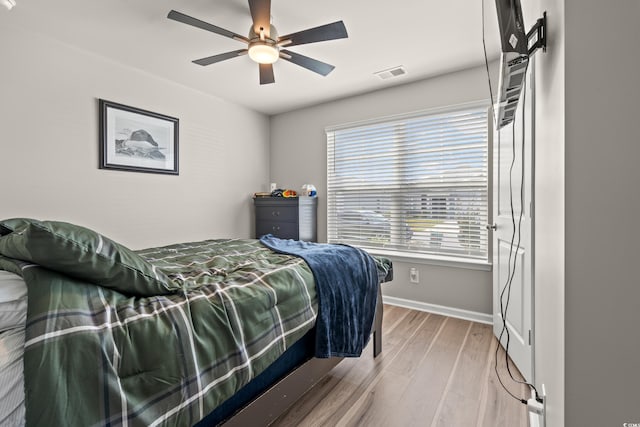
[(486, 64), (510, 274), (522, 207), (510, 271), (494, 118)]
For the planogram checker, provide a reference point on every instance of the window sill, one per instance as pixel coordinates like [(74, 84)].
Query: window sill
[(441, 261)]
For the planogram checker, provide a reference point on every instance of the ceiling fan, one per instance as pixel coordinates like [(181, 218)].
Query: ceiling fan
[(264, 45)]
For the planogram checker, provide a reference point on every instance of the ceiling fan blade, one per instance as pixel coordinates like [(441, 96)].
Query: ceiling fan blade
[(266, 74), (335, 30), (221, 57), (261, 15), (189, 20), (306, 62)]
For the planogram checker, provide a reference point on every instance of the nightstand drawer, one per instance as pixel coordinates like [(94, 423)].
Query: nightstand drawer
[(283, 230), (277, 213)]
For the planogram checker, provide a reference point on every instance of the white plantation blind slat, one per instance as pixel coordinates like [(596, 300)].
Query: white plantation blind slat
[(414, 183)]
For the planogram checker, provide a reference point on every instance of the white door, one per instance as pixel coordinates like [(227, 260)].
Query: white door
[(513, 252)]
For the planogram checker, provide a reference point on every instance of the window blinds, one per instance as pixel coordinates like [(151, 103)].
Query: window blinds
[(411, 184)]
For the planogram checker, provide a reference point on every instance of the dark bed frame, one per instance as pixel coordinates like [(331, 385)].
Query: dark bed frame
[(268, 406)]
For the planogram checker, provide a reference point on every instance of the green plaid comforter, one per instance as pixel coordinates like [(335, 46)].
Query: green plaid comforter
[(95, 356)]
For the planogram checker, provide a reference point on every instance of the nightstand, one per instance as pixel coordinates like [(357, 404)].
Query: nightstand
[(287, 218)]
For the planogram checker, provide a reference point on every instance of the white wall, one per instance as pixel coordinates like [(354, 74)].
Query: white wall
[(49, 149), (602, 206), (298, 156)]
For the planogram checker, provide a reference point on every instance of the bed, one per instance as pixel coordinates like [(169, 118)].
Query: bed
[(195, 333)]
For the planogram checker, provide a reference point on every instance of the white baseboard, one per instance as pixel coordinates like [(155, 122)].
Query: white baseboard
[(459, 313), (536, 420)]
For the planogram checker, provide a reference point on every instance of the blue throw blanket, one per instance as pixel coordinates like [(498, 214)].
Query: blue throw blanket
[(347, 286)]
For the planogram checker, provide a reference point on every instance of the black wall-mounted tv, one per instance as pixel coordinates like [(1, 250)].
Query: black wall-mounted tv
[(514, 59)]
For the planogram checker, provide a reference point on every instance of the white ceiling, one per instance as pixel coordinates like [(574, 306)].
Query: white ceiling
[(426, 37)]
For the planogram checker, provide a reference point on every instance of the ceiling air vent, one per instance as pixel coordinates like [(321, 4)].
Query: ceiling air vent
[(391, 72)]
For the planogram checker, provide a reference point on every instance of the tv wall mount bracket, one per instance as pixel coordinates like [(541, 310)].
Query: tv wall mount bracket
[(538, 34)]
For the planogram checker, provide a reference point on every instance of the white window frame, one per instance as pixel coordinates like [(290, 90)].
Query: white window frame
[(413, 254)]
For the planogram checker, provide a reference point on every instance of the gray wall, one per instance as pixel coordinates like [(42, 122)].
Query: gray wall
[(49, 148), (602, 206), (298, 156)]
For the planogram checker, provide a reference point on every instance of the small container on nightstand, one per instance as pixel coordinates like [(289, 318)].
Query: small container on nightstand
[(287, 218)]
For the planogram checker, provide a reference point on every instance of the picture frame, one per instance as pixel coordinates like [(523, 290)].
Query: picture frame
[(136, 140)]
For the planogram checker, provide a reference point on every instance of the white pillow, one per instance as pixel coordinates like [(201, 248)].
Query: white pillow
[(12, 409), (12, 287), (13, 301)]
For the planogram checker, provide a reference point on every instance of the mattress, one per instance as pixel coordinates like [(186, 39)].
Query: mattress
[(13, 312), (173, 331)]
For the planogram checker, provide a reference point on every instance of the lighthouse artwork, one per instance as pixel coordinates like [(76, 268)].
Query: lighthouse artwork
[(137, 140)]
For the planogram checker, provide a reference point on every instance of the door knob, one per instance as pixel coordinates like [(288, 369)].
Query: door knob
[(493, 226)]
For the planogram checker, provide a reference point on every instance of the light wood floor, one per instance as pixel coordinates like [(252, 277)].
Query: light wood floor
[(433, 371)]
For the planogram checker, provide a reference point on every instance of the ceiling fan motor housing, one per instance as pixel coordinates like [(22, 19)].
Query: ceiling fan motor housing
[(264, 49), (271, 35)]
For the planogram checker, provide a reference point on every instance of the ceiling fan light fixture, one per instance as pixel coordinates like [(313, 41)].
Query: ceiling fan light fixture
[(263, 52)]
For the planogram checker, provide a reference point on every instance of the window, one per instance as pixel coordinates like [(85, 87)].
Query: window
[(415, 185)]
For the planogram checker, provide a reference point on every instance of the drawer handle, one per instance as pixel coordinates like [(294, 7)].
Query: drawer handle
[(276, 228), (275, 213)]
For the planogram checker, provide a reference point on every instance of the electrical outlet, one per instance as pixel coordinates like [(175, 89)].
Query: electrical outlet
[(414, 275)]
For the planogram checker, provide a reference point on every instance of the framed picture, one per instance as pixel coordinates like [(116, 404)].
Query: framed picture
[(137, 140)]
